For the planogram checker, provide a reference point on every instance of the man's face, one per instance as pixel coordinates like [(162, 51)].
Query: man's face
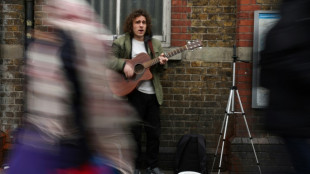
[(139, 27)]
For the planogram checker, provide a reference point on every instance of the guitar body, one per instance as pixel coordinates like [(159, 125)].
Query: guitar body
[(120, 85)]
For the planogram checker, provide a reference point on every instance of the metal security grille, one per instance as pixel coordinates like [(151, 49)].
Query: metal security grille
[(113, 13)]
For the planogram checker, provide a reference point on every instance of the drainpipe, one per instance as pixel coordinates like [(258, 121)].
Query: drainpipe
[(29, 20)]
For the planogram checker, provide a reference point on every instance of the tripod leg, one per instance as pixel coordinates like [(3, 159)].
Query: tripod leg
[(223, 143), (218, 143), (223, 124), (247, 127)]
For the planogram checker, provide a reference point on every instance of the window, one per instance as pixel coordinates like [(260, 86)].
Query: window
[(113, 13)]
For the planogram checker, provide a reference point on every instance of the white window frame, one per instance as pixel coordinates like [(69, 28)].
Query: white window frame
[(165, 38)]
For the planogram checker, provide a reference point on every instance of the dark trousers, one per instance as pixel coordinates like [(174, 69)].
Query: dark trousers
[(148, 110)]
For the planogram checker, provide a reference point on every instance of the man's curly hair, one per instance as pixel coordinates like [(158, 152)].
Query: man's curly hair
[(128, 27)]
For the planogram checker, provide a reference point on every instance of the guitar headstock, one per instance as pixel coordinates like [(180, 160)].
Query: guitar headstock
[(193, 44)]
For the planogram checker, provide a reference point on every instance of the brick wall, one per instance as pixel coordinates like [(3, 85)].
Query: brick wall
[(195, 90), (213, 22), (11, 61), (245, 18), (220, 23), (195, 98), (244, 38), (192, 107), (40, 16), (180, 22)]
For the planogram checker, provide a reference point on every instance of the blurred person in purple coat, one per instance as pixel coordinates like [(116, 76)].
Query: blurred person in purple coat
[(285, 71), (72, 123)]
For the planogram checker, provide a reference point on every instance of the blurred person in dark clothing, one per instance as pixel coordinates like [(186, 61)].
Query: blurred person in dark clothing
[(285, 71)]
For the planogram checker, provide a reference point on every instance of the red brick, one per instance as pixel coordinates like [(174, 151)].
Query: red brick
[(181, 23), (244, 43), (245, 36), (246, 22), (247, 92), (175, 2), (181, 9), (245, 15), (244, 29), (176, 29), (244, 86), (181, 36), (249, 7), (243, 72), (244, 100), (177, 43), (178, 16), (178, 2), (242, 2), (241, 66), (243, 78)]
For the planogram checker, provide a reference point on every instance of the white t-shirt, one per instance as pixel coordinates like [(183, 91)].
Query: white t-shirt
[(145, 86)]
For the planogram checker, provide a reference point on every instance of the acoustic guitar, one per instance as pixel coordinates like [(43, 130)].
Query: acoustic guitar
[(121, 86)]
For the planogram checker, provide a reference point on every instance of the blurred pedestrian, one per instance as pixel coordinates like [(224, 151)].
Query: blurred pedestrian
[(72, 123), (285, 71)]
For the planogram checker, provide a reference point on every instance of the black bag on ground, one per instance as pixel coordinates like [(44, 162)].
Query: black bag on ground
[(191, 154)]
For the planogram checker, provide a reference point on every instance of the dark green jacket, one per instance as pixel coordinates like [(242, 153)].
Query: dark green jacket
[(122, 50)]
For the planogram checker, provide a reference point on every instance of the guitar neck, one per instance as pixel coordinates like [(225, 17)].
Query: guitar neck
[(152, 62)]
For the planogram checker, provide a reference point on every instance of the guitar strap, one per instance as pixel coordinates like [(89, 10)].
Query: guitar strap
[(151, 47)]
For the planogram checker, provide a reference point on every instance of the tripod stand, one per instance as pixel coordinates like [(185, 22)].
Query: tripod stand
[(229, 111)]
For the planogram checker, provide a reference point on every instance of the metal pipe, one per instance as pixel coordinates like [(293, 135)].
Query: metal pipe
[(29, 20)]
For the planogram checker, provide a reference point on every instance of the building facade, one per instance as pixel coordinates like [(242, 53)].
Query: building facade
[(196, 84)]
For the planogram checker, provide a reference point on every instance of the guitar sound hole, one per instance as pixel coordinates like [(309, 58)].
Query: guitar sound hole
[(139, 69)]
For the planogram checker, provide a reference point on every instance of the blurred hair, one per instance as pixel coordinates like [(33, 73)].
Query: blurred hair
[(128, 27)]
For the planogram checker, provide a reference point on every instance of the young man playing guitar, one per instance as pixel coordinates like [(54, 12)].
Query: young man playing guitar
[(147, 95)]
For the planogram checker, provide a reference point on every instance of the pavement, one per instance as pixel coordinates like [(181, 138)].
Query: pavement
[(171, 172), (164, 171)]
